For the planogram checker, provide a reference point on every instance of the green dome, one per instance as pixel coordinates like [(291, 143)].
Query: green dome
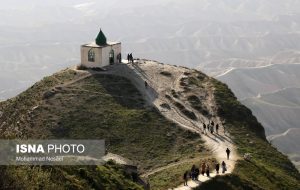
[(101, 39)]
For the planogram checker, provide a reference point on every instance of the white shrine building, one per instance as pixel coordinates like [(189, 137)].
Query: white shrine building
[(100, 53)]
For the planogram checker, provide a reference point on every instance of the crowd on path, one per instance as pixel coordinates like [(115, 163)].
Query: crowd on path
[(204, 169), (211, 127)]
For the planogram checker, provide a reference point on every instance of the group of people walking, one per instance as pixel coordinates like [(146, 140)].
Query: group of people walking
[(211, 127), (205, 170)]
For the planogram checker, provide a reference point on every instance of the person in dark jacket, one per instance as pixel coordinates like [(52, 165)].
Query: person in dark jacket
[(217, 168), (192, 174), (128, 57), (224, 168), (185, 178), (207, 170), (119, 57), (228, 153), (131, 58), (204, 128), (197, 172), (203, 168)]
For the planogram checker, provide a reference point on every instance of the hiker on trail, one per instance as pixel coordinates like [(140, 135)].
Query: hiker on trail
[(204, 127), (207, 170), (217, 128), (185, 178), (217, 167), (192, 174), (228, 153), (146, 84), (208, 127), (212, 123), (197, 172), (203, 167), (224, 168), (212, 129)]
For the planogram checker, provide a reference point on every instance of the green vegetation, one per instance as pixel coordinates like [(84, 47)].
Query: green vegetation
[(233, 112), (107, 177), (181, 107), (174, 94), (195, 102), (196, 79), (98, 107), (268, 169), (80, 106), (185, 111)]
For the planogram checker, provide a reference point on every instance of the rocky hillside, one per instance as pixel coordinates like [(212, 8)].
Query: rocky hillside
[(158, 128)]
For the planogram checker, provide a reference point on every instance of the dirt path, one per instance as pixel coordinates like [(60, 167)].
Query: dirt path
[(145, 175), (163, 85), (218, 144)]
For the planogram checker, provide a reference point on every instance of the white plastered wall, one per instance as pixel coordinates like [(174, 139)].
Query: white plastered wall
[(101, 55), (84, 57)]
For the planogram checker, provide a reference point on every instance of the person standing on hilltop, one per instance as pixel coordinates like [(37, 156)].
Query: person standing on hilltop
[(119, 57), (131, 57), (228, 153), (128, 57)]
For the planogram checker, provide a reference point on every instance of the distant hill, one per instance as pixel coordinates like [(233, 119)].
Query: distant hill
[(262, 80), (271, 92)]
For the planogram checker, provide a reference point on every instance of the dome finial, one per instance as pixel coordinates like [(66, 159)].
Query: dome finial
[(101, 39)]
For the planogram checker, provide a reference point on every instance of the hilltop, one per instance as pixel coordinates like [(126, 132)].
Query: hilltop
[(158, 127)]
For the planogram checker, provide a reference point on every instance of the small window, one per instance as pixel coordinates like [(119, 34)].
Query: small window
[(91, 55)]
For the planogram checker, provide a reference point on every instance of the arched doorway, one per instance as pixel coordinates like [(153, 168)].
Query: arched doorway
[(111, 57), (91, 55)]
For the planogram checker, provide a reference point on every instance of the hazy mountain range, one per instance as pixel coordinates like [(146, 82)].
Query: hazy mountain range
[(252, 45)]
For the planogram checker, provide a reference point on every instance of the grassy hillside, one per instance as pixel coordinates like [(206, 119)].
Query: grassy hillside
[(268, 169), (71, 105), (76, 105), (106, 177)]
